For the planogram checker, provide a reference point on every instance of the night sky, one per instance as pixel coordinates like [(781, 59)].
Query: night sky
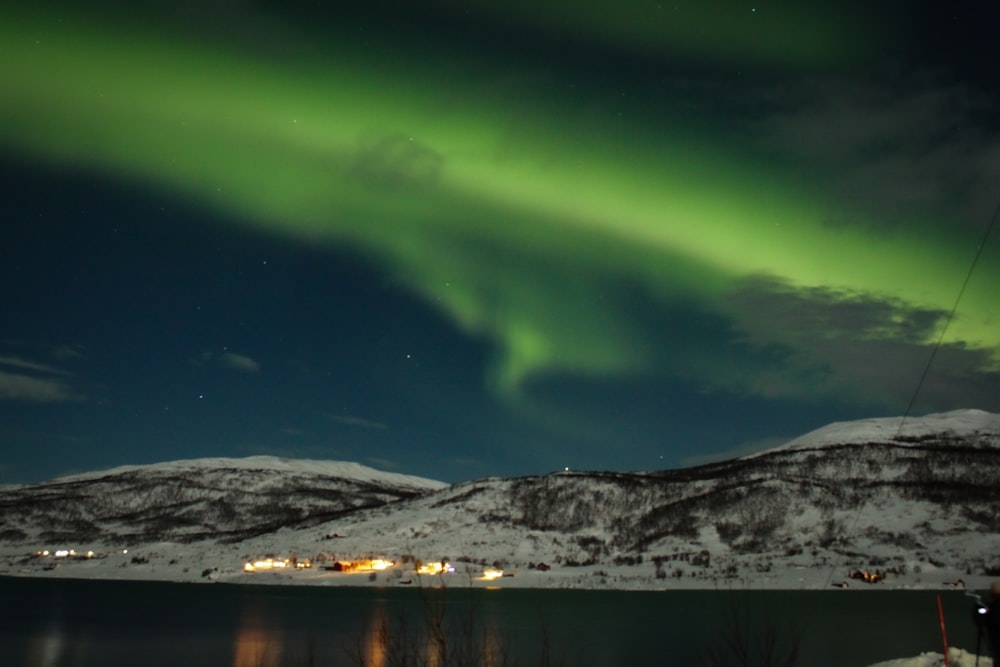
[(492, 238)]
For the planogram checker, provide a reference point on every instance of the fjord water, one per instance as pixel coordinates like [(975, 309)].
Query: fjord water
[(52, 622)]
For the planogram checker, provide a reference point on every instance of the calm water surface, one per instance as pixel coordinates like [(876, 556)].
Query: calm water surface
[(47, 623)]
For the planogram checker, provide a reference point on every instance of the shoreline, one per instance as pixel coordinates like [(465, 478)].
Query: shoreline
[(180, 569)]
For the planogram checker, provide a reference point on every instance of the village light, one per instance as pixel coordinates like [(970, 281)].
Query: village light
[(434, 568), (490, 574), (62, 553), (266, 564)]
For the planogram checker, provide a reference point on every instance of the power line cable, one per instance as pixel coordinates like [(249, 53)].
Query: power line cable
[(951, 316)]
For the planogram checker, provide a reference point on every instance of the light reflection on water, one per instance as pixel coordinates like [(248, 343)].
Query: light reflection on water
[(46, 649), (375, 641), (258, 640), (438, 635)]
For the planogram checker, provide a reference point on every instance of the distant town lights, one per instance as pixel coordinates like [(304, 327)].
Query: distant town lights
[(265, 564)]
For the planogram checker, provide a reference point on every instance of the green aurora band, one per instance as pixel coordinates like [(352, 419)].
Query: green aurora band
[(520, 225)]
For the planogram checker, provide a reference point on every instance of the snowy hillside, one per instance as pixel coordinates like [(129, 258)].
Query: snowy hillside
[(969, 425), (218, 499), (913, 507), (921, 509)]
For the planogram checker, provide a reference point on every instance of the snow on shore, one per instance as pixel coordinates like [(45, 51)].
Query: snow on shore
[(956, 658)]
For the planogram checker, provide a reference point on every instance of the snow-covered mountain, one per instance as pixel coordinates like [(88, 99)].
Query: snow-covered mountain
[(918, 505), (217, 499)]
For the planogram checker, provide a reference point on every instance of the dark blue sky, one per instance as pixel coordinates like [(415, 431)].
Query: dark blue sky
[(407, 303)]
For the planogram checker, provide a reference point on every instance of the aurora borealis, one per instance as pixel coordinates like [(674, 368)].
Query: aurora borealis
[(536, 237)]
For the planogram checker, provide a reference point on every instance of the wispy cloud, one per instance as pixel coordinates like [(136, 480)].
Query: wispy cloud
[(349, 420), (31, 366), (67, 352), (230, 360), (239, 362), (44, 389)]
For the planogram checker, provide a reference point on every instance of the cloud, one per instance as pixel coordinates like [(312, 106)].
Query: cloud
[(26, 365), (67, 352), (768, 306), (895, 149), (23, 379), (239, 362), (22, 387), (348, 420), (854, 345), (229, 360), (396, 161)]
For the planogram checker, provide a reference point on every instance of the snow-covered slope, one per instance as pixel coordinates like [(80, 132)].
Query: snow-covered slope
[(918, 507), (968, 425), (922, 509), (201, 499)]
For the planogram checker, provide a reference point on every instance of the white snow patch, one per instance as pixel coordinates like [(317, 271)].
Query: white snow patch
[(956, 658)]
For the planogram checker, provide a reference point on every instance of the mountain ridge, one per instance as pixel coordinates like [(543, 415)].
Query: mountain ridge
[(921, 503)]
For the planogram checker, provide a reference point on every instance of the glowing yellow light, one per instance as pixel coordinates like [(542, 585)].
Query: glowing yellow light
[(62, 553), (492, 573), (434, 568), (265, 564)]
